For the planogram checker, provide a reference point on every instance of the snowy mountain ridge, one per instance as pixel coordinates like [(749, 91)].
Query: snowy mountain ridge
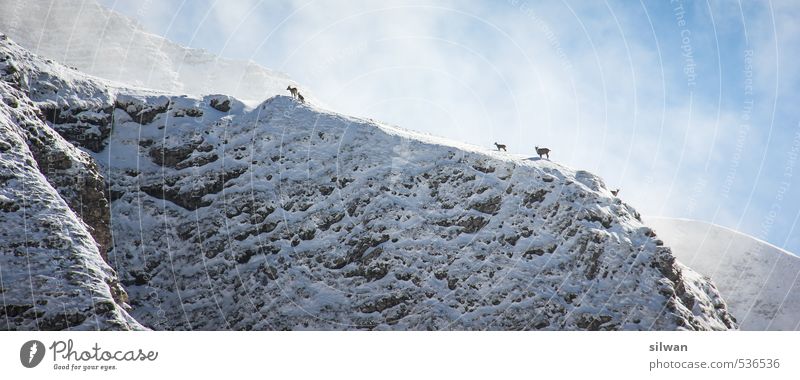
[(214, 215)]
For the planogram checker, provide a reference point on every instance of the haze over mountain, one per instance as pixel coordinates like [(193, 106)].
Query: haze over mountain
[(760, 282), (100, 42)]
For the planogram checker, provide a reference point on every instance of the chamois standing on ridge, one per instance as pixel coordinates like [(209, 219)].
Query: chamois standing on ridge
[(300, 97), (293, 90), (543, 152), (500, 146)]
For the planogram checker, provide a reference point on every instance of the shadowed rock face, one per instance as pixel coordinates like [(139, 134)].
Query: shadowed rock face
[(221, 105), (77, 180), (290, 217)]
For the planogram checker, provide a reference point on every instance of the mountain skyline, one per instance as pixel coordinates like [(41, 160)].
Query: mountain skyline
[(686, 106), (698, 128), (183, 213)]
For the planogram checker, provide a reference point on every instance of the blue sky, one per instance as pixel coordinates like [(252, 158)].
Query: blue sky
[(690, 107)]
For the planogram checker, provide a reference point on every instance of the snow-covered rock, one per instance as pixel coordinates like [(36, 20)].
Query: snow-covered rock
[(760, 282), (53, 223), (288, 216), (101, 42)]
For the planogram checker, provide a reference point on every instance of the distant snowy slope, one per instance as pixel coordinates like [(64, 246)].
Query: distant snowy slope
[(760, 282), (109, 45)]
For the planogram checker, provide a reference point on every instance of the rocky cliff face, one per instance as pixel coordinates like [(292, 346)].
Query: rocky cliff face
[(286, 216), (54, 223)]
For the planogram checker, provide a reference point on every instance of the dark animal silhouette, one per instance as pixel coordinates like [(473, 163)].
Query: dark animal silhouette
[(543, 152), (302, 99), (293, 90), (615, 192), (500, 146)]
